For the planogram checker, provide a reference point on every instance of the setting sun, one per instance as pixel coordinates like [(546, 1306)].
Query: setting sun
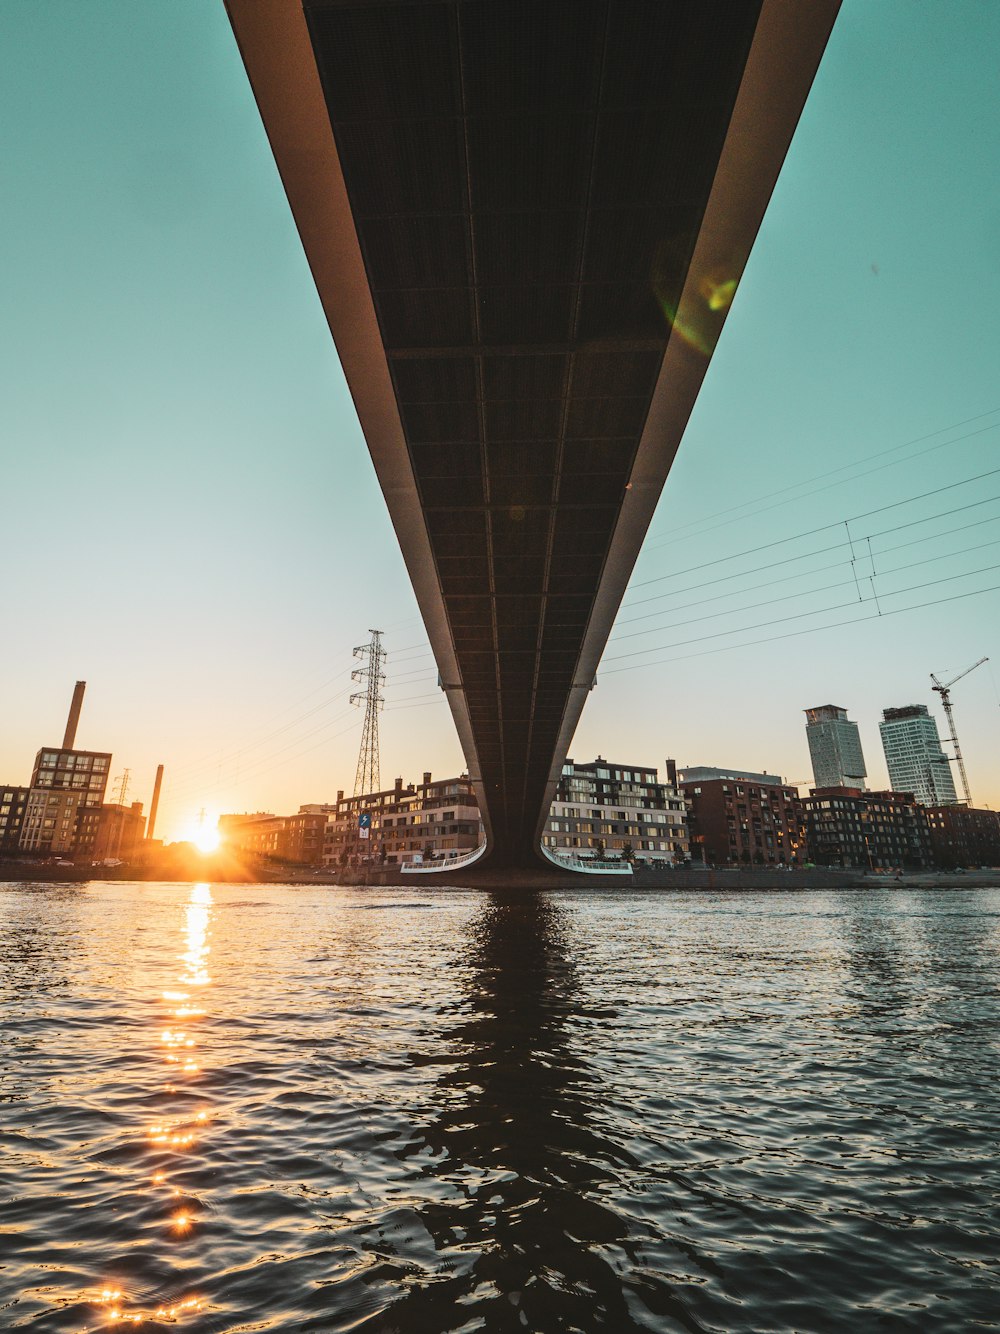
[(206, 838), (202, 831)]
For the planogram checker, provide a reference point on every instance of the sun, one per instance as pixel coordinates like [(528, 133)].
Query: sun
[(206, 838), (203, 832)]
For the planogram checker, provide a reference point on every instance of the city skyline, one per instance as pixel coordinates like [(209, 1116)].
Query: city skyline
[(175, 396)]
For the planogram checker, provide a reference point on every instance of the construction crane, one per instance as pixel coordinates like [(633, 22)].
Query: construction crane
[(943, 688)]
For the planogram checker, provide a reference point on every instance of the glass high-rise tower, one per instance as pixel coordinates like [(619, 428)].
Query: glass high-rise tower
[(834, 747), (914, 757)]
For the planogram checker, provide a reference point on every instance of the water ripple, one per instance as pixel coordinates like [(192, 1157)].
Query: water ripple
[(235, 1109)]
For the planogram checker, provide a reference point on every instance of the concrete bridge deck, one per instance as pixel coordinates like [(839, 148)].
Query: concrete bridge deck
[(526, 220)]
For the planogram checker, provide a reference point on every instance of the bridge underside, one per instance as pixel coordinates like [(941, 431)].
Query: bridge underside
[(526, 220)]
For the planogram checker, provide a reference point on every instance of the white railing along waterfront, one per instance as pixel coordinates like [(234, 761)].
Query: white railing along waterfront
[(444, 863), (572, 861)]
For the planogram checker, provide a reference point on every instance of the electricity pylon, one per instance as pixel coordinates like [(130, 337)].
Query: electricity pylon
[(121, 792), (367, 777)]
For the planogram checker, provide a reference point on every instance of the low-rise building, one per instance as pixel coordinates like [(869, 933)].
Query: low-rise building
[(13, 803), (427, 821), (874, 831), (256, 834), (963, 836), (618, 810), (295, 839), (738, 817), (120, 831), (304, 834)]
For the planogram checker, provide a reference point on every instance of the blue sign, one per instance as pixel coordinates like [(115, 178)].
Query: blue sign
[(364, 824)]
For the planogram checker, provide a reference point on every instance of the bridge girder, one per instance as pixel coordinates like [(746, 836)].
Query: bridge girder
[(526, 220)]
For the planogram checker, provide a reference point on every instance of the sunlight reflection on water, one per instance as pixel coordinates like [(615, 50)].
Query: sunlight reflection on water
[(572, 1111)]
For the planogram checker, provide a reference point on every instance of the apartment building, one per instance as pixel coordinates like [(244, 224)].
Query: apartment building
[(738, 817), (605, 808)]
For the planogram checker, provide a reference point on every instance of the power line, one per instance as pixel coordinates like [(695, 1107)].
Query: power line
[(808, 555), (191, 770), (796, 486), (802, 574), (833, 625), (200, 785), (210, 761), (805, 592), (812, 630), (822, 528)]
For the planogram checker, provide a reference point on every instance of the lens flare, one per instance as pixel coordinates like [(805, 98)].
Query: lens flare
[(695, 304)]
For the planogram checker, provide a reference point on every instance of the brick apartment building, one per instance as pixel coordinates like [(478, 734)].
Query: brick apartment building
[(13, 804), (963, 836), (430, 820), (737, 817), (869, 830)]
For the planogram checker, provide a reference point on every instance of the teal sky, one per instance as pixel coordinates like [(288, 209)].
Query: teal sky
[(191, 522)]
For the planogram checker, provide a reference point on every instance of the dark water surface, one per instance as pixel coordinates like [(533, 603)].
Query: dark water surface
[(233, 1108)]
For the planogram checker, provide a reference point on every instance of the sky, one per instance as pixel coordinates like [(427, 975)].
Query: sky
[(192, 525)]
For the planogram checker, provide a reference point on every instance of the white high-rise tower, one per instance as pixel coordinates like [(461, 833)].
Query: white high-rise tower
[(914, 757)]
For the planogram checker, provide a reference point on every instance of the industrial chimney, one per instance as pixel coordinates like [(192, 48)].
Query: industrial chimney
[(73, 720), (151, 823)]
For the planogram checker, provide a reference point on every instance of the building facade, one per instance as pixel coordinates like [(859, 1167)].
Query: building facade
[(13, 803), (875, 831), (62, 813), (618, 810), (427, 821), (914, 757), (964, 836), (834, 748), (120, 831), (742, 818), (295, 839)]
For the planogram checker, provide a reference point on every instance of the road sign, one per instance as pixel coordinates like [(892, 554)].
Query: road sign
[(364, 824)]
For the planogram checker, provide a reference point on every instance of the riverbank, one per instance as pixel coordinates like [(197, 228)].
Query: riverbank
[(476, 877)]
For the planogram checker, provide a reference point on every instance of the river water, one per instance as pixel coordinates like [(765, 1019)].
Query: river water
[(249, 1108)]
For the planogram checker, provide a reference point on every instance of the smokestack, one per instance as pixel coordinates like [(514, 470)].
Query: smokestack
[(151, 825), (74, 715)]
